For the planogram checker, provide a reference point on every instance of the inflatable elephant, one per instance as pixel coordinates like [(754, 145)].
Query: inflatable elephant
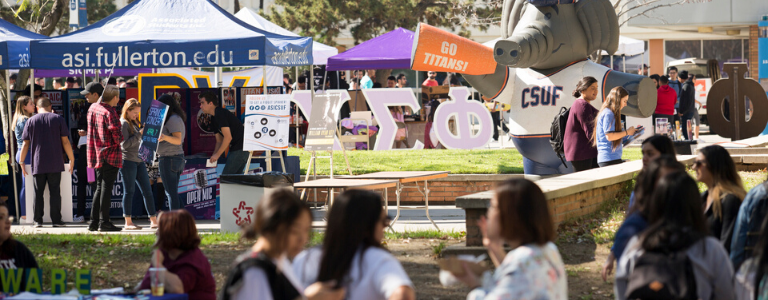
[(542, 56)]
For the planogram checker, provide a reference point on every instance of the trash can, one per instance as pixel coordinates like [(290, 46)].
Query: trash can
[(239, 195), (686, 147)]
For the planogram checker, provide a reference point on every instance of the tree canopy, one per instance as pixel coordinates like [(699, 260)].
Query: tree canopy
[(324, 20)]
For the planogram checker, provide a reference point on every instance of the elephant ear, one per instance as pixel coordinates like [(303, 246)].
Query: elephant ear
[(510, 16), (600, 24)]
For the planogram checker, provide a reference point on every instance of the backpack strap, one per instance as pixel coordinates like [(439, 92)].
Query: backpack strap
[(281, 288)]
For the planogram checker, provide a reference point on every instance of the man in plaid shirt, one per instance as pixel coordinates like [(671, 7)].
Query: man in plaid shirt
[(104, 155)]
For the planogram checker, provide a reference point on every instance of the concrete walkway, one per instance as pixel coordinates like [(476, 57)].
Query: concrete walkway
[(448, 218)]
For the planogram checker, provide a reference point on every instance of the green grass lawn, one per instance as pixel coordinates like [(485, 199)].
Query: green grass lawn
[(507, 161)]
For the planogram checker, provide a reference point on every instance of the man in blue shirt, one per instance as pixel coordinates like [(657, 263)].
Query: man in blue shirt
[(675, 84), (747, 231), (367, 81)]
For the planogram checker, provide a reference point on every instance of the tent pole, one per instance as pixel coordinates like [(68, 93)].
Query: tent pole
[(325, 76), (611, 61), (312, 79), (84, 79), (264, 79), (217, 76), (624, 61), (12, 144)]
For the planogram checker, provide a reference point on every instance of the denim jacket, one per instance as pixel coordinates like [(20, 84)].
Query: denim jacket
[(743, 223)]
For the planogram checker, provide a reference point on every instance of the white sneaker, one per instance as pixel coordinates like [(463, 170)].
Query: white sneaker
[(78, 219)]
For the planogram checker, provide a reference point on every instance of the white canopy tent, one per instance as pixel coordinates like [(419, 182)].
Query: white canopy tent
[(628, 47), (320, 52)]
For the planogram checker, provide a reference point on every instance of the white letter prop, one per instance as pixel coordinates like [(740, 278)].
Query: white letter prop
[(462, 108), (379, 100)]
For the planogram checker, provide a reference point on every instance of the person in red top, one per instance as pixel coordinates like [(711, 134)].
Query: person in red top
[(430, 81), (104, 154), (579, 150), (665, 101), (187, 269)]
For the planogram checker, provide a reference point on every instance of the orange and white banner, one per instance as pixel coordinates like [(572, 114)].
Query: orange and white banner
[(438, 50)]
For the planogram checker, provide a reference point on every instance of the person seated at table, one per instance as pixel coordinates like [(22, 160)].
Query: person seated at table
[(352, 254), (13, 254), (188, 270), (282, 224)]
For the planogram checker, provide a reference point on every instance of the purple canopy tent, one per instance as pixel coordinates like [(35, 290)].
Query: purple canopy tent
[(391, 50)]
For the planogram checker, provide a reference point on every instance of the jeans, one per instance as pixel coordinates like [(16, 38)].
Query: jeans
[(82, 178), (136, 172), (54, 188), (236, 161), (586, 164), (170, 171), (22, 193), (610, 163), (102, 197)]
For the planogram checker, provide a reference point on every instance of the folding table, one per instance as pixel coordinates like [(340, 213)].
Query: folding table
[(405, 177)]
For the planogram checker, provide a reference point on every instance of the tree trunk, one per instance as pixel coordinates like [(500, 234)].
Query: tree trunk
[(237, 6), (51, 18)]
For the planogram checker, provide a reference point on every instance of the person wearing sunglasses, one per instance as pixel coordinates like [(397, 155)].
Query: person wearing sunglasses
[(725, 191), (352, 255)]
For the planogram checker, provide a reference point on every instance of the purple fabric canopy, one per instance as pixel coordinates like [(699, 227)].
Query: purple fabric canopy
[(391, 50)]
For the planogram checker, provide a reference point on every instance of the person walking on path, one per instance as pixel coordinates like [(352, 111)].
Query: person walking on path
[(104, 155)]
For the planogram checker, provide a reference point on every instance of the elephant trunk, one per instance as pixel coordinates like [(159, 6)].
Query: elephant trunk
[(526, 47)]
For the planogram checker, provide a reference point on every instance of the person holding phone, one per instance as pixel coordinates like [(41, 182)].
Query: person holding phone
[(608, 136)]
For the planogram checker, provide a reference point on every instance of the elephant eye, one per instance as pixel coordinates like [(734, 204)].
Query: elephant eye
[(548, 16)]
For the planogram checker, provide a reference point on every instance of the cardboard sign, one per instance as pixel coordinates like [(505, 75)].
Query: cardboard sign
[(322, 121), (153, 126), (438, 50), (266, 122)]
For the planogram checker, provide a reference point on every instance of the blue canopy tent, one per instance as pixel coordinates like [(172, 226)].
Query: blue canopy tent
[(170, 33), (14, 54)]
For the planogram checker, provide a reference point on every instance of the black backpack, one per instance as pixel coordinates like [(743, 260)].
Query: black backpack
[(754, 228), (279, 285), (662, 276), (557, 133)]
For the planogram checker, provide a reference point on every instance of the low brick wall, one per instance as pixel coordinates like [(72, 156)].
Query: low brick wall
[(443, 191)]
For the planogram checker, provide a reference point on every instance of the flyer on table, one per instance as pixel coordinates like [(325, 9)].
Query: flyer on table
[(266, 122)]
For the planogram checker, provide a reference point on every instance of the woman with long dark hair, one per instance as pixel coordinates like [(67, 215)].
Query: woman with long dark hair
[(519, 217), (608, 135), (352, 254), (716, 169), (678, 226), (281, 228), (637, 216), (652, 148), (580, 126), (170, 150)]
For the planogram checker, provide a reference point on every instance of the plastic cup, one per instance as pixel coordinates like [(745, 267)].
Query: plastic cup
[(157, 281)]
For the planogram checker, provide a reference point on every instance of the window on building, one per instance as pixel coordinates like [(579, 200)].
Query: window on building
[(681, 49)]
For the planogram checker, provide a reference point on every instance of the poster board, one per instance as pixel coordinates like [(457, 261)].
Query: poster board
[(229, 99), (199, 189), (357, 101), (153, 126), (202, 137), (266, 122), (322, 122), (245, 91)]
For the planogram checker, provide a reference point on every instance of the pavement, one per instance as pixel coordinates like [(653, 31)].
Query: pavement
[(448, 218)]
